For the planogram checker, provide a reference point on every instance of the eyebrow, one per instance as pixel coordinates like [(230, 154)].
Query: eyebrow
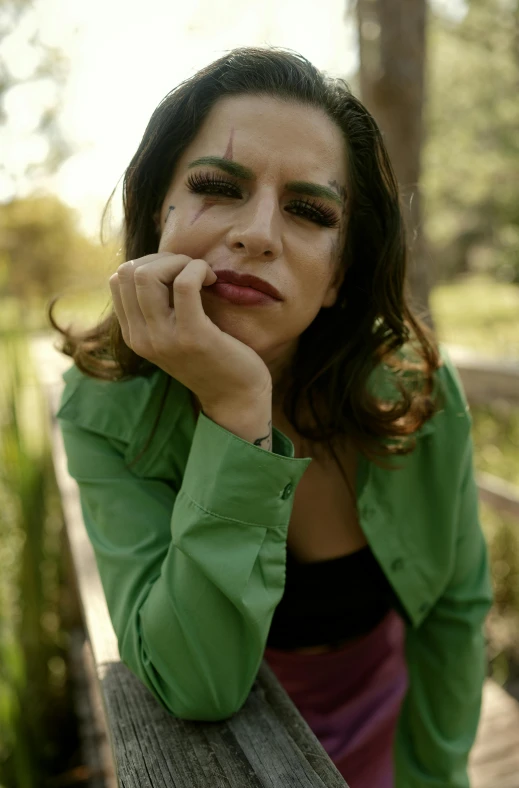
[(314, 190), (239, 171), (232, 167)]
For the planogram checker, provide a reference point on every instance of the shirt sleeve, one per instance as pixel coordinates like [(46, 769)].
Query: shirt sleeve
[(191, 576), (446, 659)]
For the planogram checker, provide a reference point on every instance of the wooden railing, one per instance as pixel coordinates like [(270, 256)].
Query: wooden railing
[(485, 379), (267, 743)]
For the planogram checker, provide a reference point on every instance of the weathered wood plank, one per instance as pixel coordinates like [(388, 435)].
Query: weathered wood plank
[(499, 494), (485, 379), (494, 760), (97, 759), (267, 743)]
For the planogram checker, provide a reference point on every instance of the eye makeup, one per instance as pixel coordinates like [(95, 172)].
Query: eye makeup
[(212, 184)]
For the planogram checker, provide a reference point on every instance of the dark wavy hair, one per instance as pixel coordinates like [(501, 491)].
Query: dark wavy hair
[(371, 323)]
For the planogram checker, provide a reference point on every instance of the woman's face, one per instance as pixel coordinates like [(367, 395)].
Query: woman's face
[(281, 217)]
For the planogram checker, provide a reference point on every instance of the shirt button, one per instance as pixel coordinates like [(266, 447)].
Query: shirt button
[(287, 491), (397, 564)]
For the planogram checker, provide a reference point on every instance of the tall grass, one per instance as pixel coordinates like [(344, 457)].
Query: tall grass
[(37, 726), (38, 731)]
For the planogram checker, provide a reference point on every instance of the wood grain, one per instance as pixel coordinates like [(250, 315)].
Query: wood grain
[(267, 743)]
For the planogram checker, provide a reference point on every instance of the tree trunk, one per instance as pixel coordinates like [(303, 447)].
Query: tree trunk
[(392, 71)]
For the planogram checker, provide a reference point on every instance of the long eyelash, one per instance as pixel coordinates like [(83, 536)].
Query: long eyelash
[(199, 181), (327, 216)]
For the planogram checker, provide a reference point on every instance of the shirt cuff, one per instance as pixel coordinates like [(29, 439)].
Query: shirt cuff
[(232, 478)]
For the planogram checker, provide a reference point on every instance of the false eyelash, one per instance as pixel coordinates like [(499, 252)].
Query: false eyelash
[(199, 181), (325, 215), (203, 182)]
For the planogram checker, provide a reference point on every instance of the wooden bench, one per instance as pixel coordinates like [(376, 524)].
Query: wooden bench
[(136, 743)]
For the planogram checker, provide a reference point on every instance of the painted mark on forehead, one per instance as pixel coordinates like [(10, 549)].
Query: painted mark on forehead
[(227, 155), (228, 152)]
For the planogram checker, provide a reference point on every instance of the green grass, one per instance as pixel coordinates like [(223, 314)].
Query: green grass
[(37, 723), (496, 440), (483, 315)]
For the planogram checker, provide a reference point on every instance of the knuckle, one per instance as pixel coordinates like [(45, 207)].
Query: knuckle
[(125, 270), (182, 285), (141, 275)]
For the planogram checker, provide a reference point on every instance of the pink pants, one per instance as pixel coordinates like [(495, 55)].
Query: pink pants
[(351, 699)]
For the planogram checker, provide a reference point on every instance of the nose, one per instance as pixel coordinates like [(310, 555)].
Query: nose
[(256, 231)]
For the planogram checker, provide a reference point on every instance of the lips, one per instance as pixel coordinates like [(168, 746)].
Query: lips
[(248, 280)]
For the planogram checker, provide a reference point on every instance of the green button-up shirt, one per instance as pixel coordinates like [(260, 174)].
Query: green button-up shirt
[(189, 531)]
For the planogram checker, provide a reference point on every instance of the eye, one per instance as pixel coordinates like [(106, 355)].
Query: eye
[(209, 183), (317, 212)]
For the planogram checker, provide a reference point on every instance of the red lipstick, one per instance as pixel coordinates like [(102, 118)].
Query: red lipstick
[(244, 280)]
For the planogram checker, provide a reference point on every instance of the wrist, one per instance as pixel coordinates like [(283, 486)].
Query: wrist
[(242, 403), (250, 420)]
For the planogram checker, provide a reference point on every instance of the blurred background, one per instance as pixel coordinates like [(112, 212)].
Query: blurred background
[(78, 83)]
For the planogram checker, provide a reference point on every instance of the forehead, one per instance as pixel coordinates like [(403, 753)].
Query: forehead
[(273, 135)]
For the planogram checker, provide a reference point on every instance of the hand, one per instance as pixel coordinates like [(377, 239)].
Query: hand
[(159, 307)]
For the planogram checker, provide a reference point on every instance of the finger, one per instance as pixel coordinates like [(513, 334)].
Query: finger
[(154, 286), (132, 310), (189, 311), (118, 306)]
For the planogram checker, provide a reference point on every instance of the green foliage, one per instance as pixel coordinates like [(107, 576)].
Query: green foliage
[(496, 438), (36, 720), (19, 28), (471, 150), (477, 312), (42, 251), (496, 442)]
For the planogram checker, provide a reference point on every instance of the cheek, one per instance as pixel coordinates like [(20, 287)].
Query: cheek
[(199, 213), (316, 273), (186, 232)]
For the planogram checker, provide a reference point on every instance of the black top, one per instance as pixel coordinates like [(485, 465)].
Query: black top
[(326, 602)]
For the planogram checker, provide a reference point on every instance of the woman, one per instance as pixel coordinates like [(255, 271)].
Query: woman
[(282, 469)]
